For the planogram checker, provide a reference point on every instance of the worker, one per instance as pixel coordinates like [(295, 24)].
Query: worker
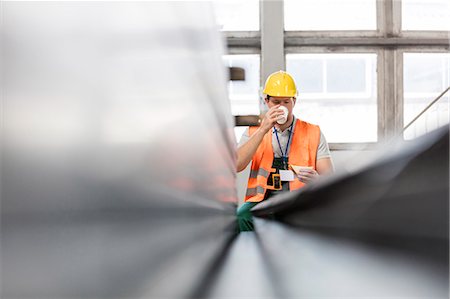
[(286, 153)]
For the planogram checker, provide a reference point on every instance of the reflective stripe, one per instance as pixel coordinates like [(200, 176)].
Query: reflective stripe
[(254, 173), (254, 191), (251, 192)]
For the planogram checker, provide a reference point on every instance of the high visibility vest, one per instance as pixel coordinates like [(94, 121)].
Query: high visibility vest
[(303, 151)]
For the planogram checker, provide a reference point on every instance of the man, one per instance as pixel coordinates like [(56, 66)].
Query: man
[(284, 156)]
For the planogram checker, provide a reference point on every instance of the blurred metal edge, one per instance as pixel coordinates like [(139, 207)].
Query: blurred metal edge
[(236, 73), (247, 120), (339, 190)]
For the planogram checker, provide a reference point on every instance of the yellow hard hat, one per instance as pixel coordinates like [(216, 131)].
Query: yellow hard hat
[(280, 84)]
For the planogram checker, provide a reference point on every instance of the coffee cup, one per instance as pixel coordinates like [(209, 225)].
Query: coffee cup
[(283, 118)]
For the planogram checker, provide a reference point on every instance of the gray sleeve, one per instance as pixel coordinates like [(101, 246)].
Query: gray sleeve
[(244, 138), (323, 151)]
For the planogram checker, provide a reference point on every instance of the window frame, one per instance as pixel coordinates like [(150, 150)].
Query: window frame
[(388, 42)]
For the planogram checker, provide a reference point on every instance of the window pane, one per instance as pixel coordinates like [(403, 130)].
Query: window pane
[(233, 15), (244, 95), (425, 14), (353, 79), (425, 77), (330, 15), (308, 71), (342, 100)]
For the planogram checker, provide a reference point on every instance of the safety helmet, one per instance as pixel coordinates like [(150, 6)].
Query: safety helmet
[(280, 84)]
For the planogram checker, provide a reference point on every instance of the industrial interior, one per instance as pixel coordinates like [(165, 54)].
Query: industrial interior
[(225, 149)]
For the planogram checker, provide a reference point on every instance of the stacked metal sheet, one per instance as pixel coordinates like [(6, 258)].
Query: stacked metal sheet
[(381, 231), (118, 154)]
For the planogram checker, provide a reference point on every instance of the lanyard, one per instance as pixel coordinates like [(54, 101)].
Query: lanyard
[(284, 155)]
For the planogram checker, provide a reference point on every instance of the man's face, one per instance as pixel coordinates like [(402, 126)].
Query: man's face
[(283, 101)]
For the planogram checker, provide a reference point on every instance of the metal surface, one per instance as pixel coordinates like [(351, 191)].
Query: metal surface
[(118, 161), (314, 263), (379, 231)]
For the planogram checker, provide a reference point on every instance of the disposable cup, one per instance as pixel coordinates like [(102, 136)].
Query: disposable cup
[(282, 119)]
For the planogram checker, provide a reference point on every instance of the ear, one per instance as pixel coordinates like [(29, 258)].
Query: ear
[(294, 100)]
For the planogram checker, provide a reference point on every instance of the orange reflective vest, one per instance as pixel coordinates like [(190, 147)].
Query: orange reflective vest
[(303, 152)]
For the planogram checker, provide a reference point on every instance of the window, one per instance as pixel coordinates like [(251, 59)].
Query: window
[(244, 95), (237, 15), (330, 15), (337, 92), (351, 76), (425, 14), (425, 77)]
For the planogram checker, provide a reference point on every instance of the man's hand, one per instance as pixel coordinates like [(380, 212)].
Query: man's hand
[(247, 150), (306, 175), (270, 118)]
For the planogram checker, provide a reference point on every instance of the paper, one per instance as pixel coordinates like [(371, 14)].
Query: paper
[(297, 169), (286, 175)]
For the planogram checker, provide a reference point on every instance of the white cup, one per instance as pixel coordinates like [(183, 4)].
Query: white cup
[(283, 118)]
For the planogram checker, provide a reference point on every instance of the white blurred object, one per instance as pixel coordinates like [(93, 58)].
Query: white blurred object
[(107, 172)]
